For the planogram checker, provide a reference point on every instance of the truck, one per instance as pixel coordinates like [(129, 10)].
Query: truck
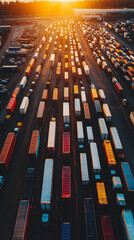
[(28, 71), (102, 96), (38, 71), (109, 153), (66, 112), (95, 157), (16, 92), (47, 184), (90, 135), (101, 192), (51, 136), (66, 143), (66, 182), (116, 140), (41, 111), (52, 60), (127, 220), (23, 82), (66, 93), (107, 112), (11, 105), (128, 177), (34, 145), (80, 132), (66, 231), (84, 168), (77, 107), (24, 105), (107, 228), (103, 128), (7, 150)]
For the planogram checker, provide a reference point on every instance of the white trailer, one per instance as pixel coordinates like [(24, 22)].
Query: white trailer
[(83, 96), (24, 105), (66, 112), (80, 132), (103, 128), (95, 158), (52, 60), (86, 70), (46, 193), (84, 168), (23, 82), (90, 135), (77, 106), (36, 55), (51, 136), (102, 95), (66, 76), (66, 93), (79, 73), (107, 113), (116, 140)]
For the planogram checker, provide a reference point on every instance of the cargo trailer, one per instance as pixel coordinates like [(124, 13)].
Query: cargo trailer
[(16, 92), (108, 233), (84, 168), (66, 182), (128, 176), (41, 111), (76, 90), (32, 62), (132, 117), (98, 109), (66, 231), (66, 143), (90, 135), (23, 82), (103, 128), (101, 193), (95, 157), (109, 153), (7, 150), (80, 132), (21, 223), (127, 220), (86, 113), (52, 60), (102, 96), (47, 184), (55, 95), (66, 93), (94, 94), (83, 97), (90, 220), (45, 95), (24, 105), (107, 112), (11, 105), (66, 112), (28, 71), (66, 76), (34, 145), (51, 136), (77, 106), (116, 140)]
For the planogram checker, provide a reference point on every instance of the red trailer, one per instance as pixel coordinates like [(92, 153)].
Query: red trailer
[(66, 182), (130, 73), (16, 92), (66, 142), (11, 105), (7, 149), (107, 228), (118, 88), (21, 220), (34, 144)]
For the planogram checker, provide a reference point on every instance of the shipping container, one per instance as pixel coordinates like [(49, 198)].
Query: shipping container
[(51, 136), (116, 140), (47, 184), (127, 220), (23, 82), (24, 105), (66, 93), (128, 176), (66, 182), (16, 92), (21, 223), (103, 128), (80, 132), (66, 143), (101, 192), (41, 111), (84, 168), (95, 157), (45, 95), (108, 233), (7, 150), (109, 153), (107, 113), (90, 221), (11, 105), (66, 231), (66, 112)]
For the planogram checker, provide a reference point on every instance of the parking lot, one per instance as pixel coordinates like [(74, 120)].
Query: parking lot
[(65, 53)]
